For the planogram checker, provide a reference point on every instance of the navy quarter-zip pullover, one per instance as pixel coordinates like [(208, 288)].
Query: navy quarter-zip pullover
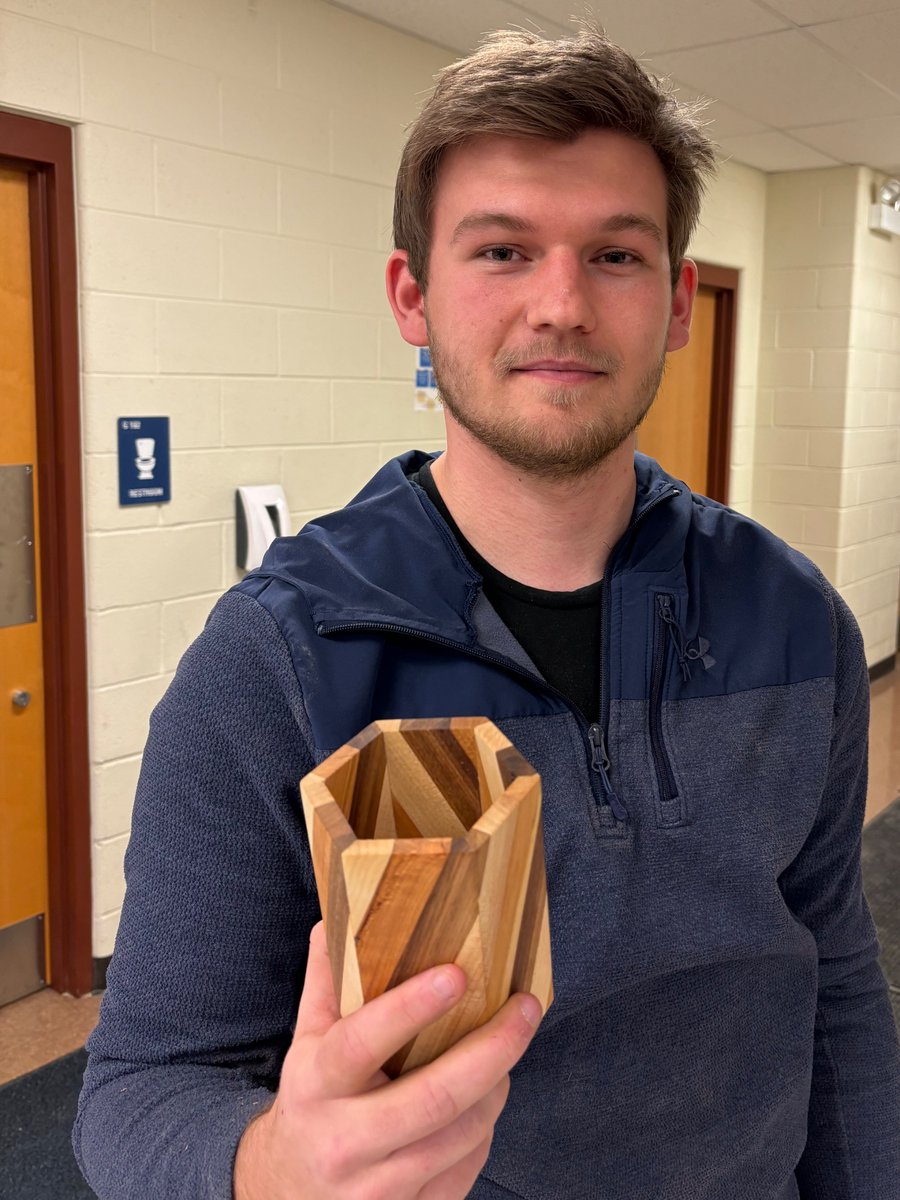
[(721, 1028)]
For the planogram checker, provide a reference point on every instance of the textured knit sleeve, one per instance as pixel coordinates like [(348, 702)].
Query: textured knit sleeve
[(853, 1143), (211, 948)]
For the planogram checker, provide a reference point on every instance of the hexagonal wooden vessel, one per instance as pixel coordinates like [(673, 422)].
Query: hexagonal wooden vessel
[(427, 848)]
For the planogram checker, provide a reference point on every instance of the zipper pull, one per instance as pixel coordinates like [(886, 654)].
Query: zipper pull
[(600, 764), (664, 604)]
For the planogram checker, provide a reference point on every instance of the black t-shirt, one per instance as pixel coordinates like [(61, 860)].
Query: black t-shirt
[(560, 631)]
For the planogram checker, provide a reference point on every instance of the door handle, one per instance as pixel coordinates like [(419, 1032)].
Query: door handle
[(21, 699)]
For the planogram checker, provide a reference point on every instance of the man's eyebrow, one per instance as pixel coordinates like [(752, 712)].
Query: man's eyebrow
[(619, 223), (492, 220), (623, 222)]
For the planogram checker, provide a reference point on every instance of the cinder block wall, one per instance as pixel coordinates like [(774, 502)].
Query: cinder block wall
[(234, 173), (235, 161), (828, 451)]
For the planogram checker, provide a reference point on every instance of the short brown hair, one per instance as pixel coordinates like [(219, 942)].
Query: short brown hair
[(519, 84)]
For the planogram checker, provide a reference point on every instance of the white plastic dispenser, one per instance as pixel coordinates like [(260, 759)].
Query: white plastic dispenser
[(262, 516)]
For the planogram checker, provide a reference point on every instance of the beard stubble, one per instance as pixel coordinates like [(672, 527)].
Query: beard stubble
[(531, 446)]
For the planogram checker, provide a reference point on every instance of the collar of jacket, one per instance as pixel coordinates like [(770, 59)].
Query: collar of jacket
[(389, 559)]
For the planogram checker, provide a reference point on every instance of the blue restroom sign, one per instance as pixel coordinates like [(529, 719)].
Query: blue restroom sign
[(144, 473)]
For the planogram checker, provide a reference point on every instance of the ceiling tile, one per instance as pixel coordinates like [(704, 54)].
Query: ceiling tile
[(810, 12), (724, 121), (773, 151), (874, 142), (655, 25), (871, 44), (781, 79), (459, 26)]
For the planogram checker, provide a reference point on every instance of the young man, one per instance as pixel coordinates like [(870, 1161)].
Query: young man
[(692, 692)]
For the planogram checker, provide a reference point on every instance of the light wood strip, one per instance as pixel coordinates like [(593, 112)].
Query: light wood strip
[(533, 916), (351, 992), (364, 864), (339, 773), (418, 794), (503, 899), (541, 982), (468, 1014), (386, 825)]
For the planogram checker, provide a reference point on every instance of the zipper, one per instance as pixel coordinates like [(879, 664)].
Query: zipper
[(594, 733), (594, 736), (606, 590), (666, 629), (600, 764)]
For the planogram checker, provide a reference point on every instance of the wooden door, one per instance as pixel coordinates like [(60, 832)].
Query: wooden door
[(676, 431), (688, 429), (23, 809)]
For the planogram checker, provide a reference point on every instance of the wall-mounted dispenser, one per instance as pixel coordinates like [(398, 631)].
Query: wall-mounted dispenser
[(262, 516), (885, 215)]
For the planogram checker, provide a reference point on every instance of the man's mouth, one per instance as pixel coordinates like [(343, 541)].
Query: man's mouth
[(560, 371)]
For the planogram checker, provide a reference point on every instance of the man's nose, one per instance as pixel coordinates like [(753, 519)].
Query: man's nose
[(561, 295)]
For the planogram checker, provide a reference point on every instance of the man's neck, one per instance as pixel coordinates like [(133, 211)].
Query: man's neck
[(555, 535)]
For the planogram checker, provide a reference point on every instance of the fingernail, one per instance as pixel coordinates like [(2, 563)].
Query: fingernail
[(531, 1011), (445, 984)]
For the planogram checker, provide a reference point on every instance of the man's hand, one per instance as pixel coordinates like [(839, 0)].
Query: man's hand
[(339, 1129)]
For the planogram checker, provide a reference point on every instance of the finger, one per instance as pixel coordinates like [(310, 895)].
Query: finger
[(432, 1097), (441, 1151), (357, 1046), (319, 1009), (458, 1179)]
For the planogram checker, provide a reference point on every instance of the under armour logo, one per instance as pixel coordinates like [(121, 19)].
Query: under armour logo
[(699, 652)]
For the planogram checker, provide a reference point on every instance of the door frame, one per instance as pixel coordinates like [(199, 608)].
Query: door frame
[(724, 281), (44, 150)]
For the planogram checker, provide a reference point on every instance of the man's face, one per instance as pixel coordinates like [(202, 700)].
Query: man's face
[(549, 307)]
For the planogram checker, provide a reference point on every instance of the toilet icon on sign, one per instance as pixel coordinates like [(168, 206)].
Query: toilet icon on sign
[(145, 462)]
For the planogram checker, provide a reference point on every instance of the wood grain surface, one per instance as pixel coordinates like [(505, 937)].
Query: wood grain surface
[(427, 848)]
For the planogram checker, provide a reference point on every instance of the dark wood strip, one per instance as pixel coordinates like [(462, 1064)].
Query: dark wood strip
[(406, 826), (449, 913), (340, 779), (512, 765), (368, 787), (444, 756), (398, 904), (532, 918), (394, 1065)]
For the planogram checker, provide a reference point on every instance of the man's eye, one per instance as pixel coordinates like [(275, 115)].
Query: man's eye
[(618, 257), (500, 254)]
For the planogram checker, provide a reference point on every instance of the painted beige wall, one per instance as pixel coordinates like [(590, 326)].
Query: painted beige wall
[(234, 174), (827, 473), (235, 160)]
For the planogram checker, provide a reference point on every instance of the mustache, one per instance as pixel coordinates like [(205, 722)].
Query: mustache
[(507, 361)]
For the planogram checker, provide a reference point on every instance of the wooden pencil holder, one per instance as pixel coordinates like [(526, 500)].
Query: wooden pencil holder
[(427, 848)]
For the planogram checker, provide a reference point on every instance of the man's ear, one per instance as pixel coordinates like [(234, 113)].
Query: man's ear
[(682, 305), (406, 299)]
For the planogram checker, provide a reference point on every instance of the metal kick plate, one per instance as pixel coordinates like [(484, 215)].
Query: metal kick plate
[(21, 959), (17, 594)]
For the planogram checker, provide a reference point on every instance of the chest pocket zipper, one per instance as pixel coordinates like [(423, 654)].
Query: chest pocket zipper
[(670, 810)]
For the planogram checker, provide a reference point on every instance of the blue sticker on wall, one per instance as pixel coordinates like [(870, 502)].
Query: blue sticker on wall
[(144, 473)]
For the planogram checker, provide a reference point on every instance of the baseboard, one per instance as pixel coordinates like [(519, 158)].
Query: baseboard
[(98, 983), (882, 668)]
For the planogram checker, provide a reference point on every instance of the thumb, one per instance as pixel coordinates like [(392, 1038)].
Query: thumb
[(319, 1008)]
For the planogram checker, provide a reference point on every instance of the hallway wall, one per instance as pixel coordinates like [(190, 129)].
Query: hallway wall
[(235, 162)]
